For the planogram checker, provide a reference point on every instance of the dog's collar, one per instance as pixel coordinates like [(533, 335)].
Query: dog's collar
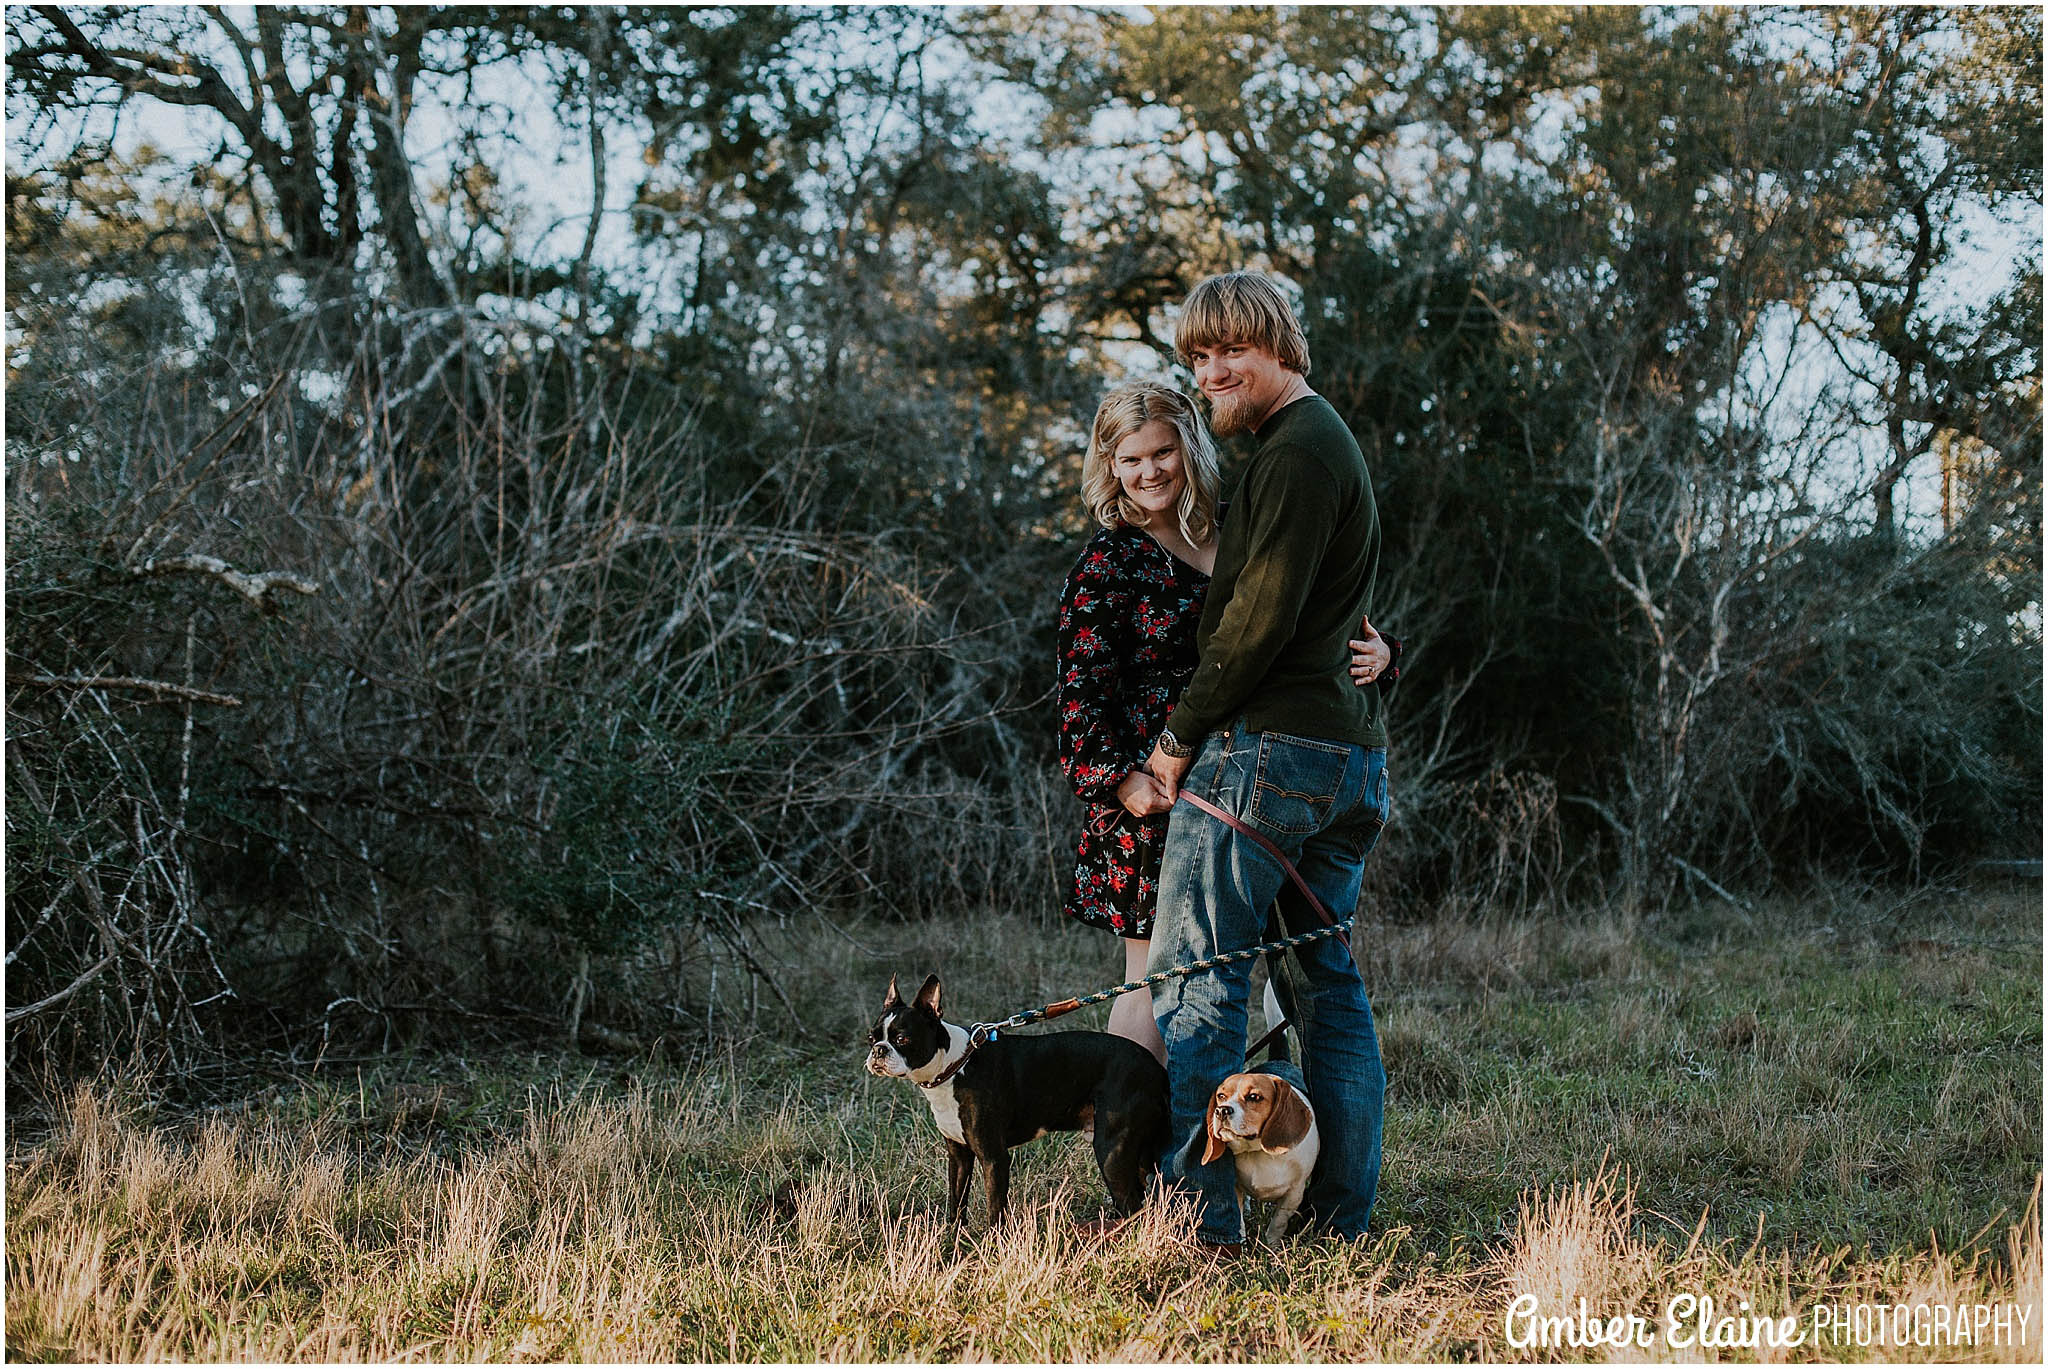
[(974, 1043)]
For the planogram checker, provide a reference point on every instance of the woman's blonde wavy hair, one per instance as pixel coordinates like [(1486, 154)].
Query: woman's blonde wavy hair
[(1123, 411)]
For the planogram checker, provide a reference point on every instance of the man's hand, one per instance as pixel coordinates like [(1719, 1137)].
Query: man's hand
[(1143, 795), (1168, 770)]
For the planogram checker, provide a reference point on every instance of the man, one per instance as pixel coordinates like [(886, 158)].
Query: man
[(1272, 730)]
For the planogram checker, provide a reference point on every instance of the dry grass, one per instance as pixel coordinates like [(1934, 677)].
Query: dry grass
[(644, 1227), (773, 1204)]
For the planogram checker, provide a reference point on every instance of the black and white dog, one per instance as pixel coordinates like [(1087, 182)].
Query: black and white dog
[(1017, 1088)]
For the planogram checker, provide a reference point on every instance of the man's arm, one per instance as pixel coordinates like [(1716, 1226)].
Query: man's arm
[(1292, 515)]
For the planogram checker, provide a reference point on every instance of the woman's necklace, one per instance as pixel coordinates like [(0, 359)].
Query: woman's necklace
[(1202, 558)]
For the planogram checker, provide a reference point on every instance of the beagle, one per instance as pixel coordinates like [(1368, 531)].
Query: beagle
[(1267, 1125)]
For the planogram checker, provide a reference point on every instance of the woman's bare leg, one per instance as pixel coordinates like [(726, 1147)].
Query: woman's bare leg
[(1131, 1015)]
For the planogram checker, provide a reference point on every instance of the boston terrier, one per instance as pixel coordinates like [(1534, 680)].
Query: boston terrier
[(1015, 1089)]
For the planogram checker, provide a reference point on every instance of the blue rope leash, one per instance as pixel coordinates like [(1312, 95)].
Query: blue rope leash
[(983, 1032)]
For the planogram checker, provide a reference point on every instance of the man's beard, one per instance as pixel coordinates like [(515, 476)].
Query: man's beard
[(1231, 414)]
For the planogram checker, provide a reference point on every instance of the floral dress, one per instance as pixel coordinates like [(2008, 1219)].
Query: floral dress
[(1128, 619), (1126, 649)]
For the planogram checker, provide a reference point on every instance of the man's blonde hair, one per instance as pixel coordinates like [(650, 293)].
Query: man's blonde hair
[(1241, 306), (1122, 412)]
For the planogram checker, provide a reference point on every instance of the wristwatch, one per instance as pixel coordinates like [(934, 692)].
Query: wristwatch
[(1174, 746)]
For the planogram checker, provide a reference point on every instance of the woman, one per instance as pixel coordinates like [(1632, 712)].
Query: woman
[(1127, 647)]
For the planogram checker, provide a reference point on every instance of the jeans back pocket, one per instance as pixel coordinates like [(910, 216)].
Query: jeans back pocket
[(1297, 782)]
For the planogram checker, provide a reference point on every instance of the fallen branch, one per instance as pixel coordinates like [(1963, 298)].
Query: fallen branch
[(1702, 877)]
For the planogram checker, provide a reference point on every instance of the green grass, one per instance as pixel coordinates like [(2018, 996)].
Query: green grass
[(1827, 1089), (1832, 1103)]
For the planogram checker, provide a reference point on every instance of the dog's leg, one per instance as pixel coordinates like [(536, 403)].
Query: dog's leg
[(959, 1172), (1283, 1213), (997, 1169), (1121, 1161)]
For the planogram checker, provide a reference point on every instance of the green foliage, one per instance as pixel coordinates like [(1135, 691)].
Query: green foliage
[(613, 860), (1556, 267), (1897, 736)]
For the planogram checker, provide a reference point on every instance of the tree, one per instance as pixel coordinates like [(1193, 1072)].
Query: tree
[(1565, 272)]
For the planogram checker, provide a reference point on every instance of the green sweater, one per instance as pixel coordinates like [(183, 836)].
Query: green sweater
[(1294, 572)]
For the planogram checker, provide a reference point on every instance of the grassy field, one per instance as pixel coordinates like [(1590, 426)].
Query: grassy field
[(1828, 1105)]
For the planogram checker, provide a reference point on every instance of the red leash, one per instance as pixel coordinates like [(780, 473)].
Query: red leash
[(985, 1031), (1246, 829), (1260, 837)]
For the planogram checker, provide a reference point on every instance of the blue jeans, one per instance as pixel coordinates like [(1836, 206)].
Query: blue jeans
[(1323, 803)]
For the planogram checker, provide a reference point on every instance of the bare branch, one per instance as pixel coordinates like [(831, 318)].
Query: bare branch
[(44, 1004), (252, 587), (160, 688)]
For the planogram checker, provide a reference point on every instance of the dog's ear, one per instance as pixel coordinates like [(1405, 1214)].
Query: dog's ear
[(1185, 1156), (1214, 1150), (928, 996), (1215, 1146), (1288, 1123), (894, 1000)]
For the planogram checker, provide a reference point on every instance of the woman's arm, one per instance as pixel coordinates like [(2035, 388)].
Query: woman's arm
[(1094, 633), (1375, 658)]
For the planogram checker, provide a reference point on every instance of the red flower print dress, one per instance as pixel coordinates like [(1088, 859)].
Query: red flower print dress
[(1126, 649)]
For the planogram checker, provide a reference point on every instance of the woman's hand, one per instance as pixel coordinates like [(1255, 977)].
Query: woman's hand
[(1143, 795), (1369, 655)]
